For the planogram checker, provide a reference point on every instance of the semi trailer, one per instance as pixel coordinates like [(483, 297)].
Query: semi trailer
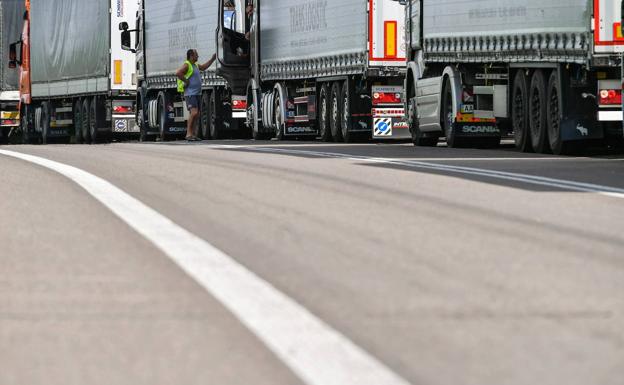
[(316, 68), (75, 80), (546, 72), (11, 15), (163, 32)]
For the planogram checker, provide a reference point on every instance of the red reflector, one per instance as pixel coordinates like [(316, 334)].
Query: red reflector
[(610, 97), (239, 104), (386, 98), (122, 109)]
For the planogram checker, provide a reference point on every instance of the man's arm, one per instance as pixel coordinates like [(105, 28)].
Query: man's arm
[(181, 72), (206, 65)]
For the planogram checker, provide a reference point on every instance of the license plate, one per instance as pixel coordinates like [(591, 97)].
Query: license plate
[(9, 115)]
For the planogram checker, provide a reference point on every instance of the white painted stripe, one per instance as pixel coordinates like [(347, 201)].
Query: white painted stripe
[(610, 116), (509, 176), (314, 351)]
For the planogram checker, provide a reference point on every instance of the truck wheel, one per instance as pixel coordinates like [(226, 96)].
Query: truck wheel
[(78, 121), (558, 146), (448, 118), (418, 137), (280, 126), (537, 113), (204, 117), (163, 126), (93, 129), (346, 121), (215, 130), (335, 112), (519, 112), (45, 122), (323, 115), (86, 111), (24, 125)]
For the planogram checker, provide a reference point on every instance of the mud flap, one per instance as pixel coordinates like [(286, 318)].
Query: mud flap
[(580, 129)]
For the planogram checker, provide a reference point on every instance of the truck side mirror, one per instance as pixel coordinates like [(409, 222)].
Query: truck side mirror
[(126, 41), (13, 55)]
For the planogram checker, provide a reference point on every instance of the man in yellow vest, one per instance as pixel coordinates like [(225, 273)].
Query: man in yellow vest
[(190, 83)]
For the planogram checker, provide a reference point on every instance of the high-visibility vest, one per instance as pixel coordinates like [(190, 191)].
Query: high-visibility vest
[(187, 76)]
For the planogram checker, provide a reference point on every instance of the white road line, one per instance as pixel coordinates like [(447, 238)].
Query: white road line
[(509, 176), (314, 351)]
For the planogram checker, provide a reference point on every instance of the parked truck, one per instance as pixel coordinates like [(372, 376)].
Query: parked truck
[(163, 33), (11, 15), (546, 71), (311, 68), (75, 80)]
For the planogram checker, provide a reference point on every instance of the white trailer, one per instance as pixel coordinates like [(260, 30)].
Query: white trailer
[(546, 72), (312, 68), (163, 32), (76, 81)]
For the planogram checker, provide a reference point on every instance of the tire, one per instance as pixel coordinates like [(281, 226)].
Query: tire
[(45, 122), (25, 126), (163, 126), (280, 125), (346, 123), (520, 112), (335, 116), (93, 115), (418, 137), (204, 117), (216, 132), (323, 114), (448, 118), (78, 121), (252, 117), (558, 146), (538, 114), (86, 111)]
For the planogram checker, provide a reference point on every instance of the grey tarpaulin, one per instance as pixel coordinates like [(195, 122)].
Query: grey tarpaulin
[(310, 29), (69, 39), (11, 31), (174, 26)]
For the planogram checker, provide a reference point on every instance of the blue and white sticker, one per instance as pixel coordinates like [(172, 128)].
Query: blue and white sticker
[(383, 127), (121, 125)]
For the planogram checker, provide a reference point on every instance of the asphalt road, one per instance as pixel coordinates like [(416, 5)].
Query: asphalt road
[(475, 267)]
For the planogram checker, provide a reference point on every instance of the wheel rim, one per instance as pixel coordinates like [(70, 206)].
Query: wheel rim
[(345, 116), (334, 108), (448, 105), (323, 116), (213, 119), (278, 120)]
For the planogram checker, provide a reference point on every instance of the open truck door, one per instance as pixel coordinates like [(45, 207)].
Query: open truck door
[(233, 45)]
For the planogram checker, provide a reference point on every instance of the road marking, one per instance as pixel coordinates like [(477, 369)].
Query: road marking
[(314, 351), (612, 192)]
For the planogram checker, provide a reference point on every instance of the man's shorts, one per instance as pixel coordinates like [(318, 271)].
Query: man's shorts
[(192, 102)]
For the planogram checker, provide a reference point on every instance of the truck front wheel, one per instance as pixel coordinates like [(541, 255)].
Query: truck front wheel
[(335, 114), (418, 138), (93, 114), (204, 117), (78, 121), (86, 110), (323, 116), (519, 112), (538, 113), (447, 116)]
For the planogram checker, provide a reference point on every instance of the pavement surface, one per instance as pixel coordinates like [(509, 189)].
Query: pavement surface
[(450, 266)]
